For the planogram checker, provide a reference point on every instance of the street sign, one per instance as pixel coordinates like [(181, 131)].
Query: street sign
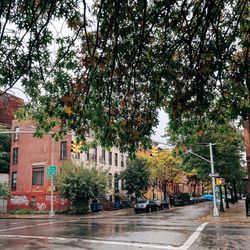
[(214, 175), (51, 170)]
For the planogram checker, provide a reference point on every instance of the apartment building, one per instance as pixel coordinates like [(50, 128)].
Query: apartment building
[(31, 157)]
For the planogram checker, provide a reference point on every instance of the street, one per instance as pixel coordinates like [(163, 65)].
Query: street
[(176, 228)]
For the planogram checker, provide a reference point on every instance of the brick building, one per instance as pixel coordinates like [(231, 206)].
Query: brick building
[(8, 105), (31, 157)]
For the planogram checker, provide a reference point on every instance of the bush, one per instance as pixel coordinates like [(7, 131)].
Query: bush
[(79, 184), (27, 211)]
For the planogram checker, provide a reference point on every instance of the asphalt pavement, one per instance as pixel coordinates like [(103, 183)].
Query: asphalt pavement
[(235, 214)]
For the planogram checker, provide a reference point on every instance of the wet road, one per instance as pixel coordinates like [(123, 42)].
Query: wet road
[(176, 228)]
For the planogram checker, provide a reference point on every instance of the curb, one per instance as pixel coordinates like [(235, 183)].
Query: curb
[(103, 214)]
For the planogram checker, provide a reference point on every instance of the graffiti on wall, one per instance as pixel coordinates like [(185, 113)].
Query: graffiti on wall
[(41, 206), (19, 200), (48, 198)]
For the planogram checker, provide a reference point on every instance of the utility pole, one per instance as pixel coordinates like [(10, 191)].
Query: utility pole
[(212, 175), (215, 209)]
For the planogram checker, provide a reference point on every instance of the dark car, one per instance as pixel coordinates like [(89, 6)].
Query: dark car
[(182, 199), (162, 204), (145, 206)]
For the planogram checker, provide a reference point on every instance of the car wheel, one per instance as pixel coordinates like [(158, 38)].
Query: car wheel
[(149, 209)]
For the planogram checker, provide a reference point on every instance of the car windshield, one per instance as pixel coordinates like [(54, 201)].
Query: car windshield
[(142, 201)]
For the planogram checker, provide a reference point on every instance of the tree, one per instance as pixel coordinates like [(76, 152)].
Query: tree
[(164, 168), (4, 191), (136, 177), (189, 57), (227, 153), (4, 152), (79, 184)]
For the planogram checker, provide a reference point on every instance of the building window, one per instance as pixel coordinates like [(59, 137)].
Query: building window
[(122, 161), (102, 158), (16, 134), (116, 183), (13, 181), (116, 159), (38, 176), (110, 158), (33, 201), (110, 180), (87, 155), (63, 150), (15, 156), (95, 155), (103, 155)]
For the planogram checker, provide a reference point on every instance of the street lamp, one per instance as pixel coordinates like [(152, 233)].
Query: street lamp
[(212, 175)]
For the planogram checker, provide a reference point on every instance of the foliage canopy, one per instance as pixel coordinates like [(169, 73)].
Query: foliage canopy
[(119, 61), (227, 153)]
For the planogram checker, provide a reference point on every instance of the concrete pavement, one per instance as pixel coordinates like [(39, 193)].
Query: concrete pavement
[(236, 213)]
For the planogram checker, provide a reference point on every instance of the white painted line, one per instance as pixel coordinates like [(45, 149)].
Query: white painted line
[(193, 237), (119, 243), (34, 225), (14, 223), (185, 246)]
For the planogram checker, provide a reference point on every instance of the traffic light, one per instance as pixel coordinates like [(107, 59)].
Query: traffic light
[(76, 148), (154, 151), (73, 147), (219, 181)]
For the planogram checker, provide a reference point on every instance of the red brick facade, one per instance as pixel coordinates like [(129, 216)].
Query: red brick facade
[(8, 105), (30, 158)]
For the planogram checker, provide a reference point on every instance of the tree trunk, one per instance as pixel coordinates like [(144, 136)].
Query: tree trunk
[(232, 195), (164, 187), (226, 198), (235, 191), (221, 201), (246, 124)]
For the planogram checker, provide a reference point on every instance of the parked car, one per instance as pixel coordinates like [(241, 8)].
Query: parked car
[(183, 199), (200, 199), (162, 204), (145, 206), (207, 197)]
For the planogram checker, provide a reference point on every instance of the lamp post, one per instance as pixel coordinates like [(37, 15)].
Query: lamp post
[(212, 175)]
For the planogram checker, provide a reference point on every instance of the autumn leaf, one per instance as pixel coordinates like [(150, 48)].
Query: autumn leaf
[(68, 110)]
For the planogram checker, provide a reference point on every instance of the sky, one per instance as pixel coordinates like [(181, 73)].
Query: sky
[(160, 129)]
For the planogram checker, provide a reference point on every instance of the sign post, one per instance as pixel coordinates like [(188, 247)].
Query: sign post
[(51, 171)]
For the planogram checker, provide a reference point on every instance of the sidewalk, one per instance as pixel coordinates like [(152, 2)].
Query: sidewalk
[(236, 213), (103, 214)]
